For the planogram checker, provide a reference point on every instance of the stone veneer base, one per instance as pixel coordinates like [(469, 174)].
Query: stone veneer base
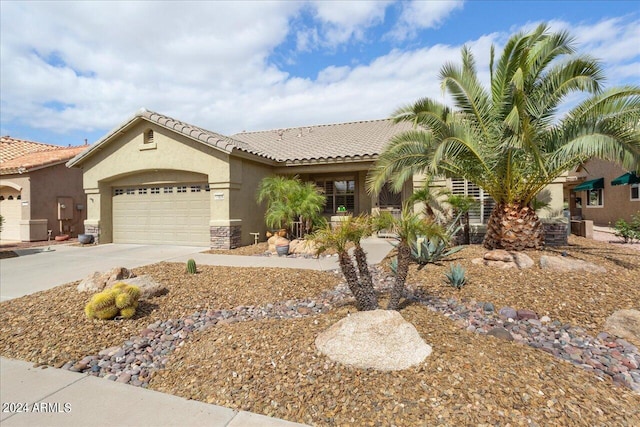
[(225, 237)]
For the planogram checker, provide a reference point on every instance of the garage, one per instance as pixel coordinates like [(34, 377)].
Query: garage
[(175, 214), (11, 211)]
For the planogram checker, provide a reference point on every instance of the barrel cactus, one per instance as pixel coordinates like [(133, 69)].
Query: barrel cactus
[(191, 266), (121, 299)]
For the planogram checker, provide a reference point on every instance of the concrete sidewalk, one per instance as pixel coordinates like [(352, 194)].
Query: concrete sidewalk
[(55, 397), (65, 398)]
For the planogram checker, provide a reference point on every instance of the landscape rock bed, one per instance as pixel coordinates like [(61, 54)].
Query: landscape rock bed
[(232, 344), (140, 356)]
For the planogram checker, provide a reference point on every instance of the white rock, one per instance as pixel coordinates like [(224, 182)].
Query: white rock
[(148, 287), (625, 324), (556, 263), (378, 339)]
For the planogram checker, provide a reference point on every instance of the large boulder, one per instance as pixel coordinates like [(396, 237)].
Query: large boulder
[(97, 281), (564, 264), (378, 339), (625, 324), (148, 287)]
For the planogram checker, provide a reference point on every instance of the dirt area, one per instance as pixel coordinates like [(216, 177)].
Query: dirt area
[(271, 366)]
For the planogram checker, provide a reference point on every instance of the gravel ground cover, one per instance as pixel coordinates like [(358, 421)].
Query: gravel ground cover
[(244, 338)]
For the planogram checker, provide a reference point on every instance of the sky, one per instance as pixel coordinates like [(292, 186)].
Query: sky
[(71, 71)]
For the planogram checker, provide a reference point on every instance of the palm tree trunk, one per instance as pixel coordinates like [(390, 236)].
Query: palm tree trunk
[(369, 294), (467, 229), (404, 258), (514, 227), (349, 271)]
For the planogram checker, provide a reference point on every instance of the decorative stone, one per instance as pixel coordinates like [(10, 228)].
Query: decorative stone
[(148, 287), (498, 255), (378, 339), (526, 314), (564, 264), (625, 324), (522, 260), (508, 313), (501, 333), (97, 281)]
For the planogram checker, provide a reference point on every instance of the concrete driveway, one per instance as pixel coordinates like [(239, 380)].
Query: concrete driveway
[(37, 269)]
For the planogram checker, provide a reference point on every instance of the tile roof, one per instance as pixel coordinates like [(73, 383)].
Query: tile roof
[(353, 141), (11, 148), (362, 140), (21, 155)]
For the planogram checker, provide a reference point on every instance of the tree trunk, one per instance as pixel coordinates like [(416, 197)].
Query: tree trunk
[(514, 227), (466, 229), (404, 258), (365, 278), (349, 271)]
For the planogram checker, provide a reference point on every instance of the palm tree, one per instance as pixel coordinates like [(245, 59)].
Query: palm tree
[(407, 228), (461, 206), (510, 139), (351, 230), (288, 200), (429, 198)]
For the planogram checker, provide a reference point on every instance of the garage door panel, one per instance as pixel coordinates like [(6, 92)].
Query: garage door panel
[(167, 215)]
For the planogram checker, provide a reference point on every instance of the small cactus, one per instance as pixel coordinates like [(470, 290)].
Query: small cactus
[(191, 266), (121, 299), (456, 276)]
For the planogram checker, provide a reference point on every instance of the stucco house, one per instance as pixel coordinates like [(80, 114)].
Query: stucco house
[(157, 180), (602, 192), (38, 192)]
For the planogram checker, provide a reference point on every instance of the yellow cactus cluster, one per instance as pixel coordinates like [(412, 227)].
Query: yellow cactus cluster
[(121, 299)]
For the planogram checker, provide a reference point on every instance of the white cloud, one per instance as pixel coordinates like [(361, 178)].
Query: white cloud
[(345, 20), (214, 68), (418, 15)]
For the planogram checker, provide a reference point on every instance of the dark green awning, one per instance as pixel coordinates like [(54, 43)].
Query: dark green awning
[(592, 184), (627, 178)]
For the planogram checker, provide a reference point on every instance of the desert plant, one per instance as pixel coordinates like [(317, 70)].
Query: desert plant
[(406, 229), (629, 232), (516, 135), (121, 299), (288, 200), (435, 247), (456, 276), (351, 230), (191, 266)]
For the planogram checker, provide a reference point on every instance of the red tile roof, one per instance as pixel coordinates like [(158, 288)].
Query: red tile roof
[(18, 155)]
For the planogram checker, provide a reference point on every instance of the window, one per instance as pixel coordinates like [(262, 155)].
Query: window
[(142, 191), (131, 191), (196, 188), (10, 197), (118, 192), (635, 191), (594, 197), (155, 190), (479, 214), (338, 193), (148, 137), (182, 189), (207, 188), (168, 190)]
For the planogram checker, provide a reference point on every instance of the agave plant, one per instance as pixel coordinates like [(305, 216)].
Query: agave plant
[(456, 276)]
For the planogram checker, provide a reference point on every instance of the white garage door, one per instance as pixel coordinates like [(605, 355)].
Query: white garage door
[(11, 211), (162, 215)]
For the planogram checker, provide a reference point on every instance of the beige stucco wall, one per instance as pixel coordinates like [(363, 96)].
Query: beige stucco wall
[(244, 210), (617, 199), (171, 158)]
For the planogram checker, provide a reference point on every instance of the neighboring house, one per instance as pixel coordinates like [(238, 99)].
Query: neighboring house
[(602, 192), (157, 180), (38, 192)]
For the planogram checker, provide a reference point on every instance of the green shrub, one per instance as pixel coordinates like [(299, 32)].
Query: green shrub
[(630, 232), (456, 276), (121, 299), (191, 266)]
